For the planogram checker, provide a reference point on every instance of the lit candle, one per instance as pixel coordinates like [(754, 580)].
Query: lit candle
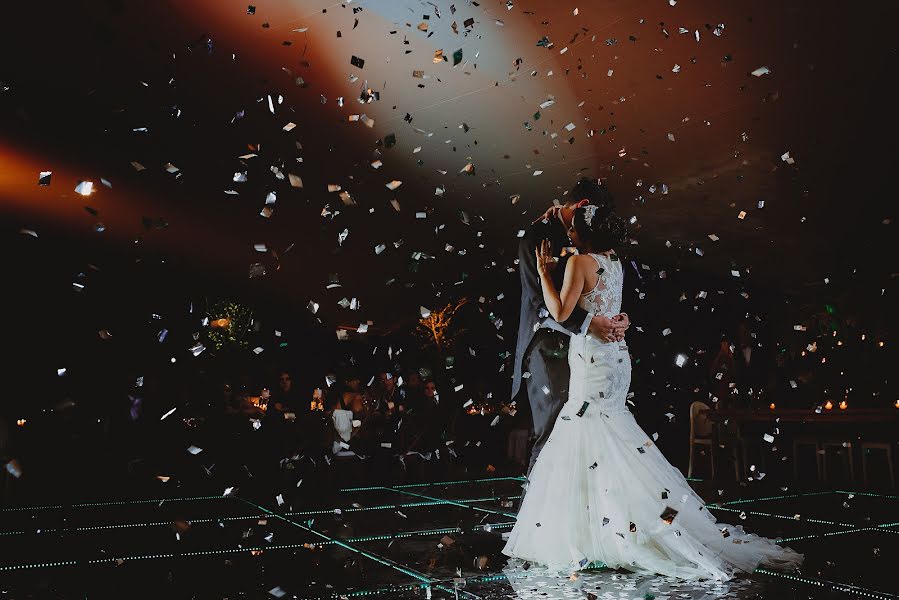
[(828, 405), (21, 422), (843, 405), (897, 404), (772, 406)]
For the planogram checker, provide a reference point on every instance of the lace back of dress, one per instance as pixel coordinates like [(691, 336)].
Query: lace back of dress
[(605, 297)]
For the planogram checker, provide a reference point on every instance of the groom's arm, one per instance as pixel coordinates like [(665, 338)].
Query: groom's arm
[(527, 265)]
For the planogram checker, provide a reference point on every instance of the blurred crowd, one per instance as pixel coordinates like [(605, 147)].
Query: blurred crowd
[(258, 434), (112, 429)]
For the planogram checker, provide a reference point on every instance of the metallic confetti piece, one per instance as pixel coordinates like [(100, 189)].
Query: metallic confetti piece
[(668, 515), (84, 188)]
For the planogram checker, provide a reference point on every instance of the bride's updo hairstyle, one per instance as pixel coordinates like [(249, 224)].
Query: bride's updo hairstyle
[(592, 191), (600, 226)]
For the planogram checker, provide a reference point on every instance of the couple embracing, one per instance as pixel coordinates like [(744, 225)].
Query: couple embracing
[(599, 490)]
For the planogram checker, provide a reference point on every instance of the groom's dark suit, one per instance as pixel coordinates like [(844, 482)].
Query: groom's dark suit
[(541, 355)]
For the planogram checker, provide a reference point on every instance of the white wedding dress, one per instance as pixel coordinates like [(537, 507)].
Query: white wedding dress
[(601, 491)]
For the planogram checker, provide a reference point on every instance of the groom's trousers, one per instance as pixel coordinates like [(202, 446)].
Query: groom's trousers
[(546, 362)]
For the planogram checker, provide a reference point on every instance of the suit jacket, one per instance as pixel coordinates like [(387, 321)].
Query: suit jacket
[(532, 291)]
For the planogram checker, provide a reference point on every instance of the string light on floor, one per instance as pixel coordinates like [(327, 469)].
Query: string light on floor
[(757, 513), (370, 555), (434, 484), (330, 511), (837, 587), (880, 528), (781, 497), (112, 503), (867, 494)]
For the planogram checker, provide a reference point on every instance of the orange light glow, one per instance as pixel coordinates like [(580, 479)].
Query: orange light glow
[(220, 323), (843, 405), (828, 405), (772, 406), (21, 422)]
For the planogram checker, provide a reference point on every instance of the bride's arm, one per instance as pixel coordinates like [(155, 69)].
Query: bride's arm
[(559, 305)]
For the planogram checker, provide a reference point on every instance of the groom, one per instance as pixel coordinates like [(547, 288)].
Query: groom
[(541, 355)]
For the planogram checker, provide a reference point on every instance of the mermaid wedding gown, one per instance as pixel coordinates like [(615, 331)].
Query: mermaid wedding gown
[(601, 491)]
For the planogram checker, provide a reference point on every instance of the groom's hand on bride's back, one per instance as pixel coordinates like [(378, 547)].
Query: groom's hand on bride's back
[(610, 329)]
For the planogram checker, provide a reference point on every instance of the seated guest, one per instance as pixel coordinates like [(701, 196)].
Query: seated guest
[(431, 421), (412, 392), (239, 404), (354, 401), (353, 395), (353, 383), (382, 396), (343, 427), (286, 397), (358, 406)]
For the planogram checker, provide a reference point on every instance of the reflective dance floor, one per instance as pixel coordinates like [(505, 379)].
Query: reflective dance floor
[(424, 540)]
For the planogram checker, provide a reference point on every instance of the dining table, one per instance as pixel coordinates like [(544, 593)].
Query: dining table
[(751, 427), (802, 415)]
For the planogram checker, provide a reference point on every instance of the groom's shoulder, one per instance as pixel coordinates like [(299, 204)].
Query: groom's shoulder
[(538, 229)]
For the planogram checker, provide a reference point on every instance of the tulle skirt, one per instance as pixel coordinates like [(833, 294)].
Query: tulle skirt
[(601, 491)]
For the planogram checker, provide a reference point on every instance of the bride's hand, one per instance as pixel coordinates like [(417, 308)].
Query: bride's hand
[(545, 260), (610, 329), (622, 321)]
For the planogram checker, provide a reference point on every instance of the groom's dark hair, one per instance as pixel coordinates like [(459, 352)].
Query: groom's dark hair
[(593, 191)]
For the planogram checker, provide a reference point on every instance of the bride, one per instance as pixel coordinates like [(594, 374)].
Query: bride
[(601, 491)]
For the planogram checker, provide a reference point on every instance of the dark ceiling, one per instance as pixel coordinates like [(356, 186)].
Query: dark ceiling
[(92, 87)]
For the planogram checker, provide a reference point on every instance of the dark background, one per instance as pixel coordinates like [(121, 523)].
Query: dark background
[(80, 77)]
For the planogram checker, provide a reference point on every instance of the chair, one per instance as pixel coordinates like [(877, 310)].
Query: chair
[(703, 432), (886, 447), (844, 449), (798, 442)]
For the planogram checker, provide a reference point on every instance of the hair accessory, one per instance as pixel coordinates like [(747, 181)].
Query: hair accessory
[(589, 211)]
